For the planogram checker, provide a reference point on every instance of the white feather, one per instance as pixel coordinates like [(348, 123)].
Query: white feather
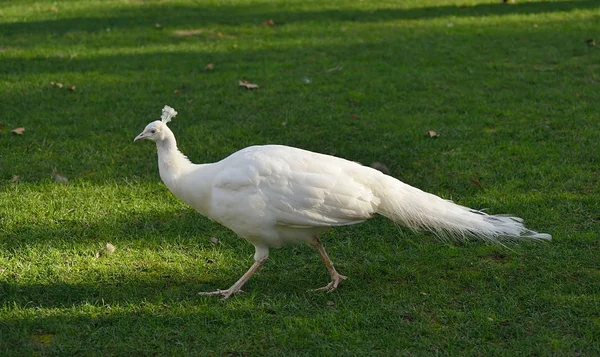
[(167, 114)]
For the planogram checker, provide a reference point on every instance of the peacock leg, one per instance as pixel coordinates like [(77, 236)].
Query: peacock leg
[(336, 278), (260, 258)]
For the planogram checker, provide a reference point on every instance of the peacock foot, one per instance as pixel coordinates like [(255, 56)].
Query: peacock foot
[(225, 293), (335, 282)]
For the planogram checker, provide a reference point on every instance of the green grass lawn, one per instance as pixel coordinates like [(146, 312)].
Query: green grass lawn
[(512, 90)]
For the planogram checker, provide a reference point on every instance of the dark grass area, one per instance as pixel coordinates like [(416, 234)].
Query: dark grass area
[(511, 89)]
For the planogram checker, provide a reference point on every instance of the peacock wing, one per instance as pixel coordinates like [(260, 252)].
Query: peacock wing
[(304, 189)]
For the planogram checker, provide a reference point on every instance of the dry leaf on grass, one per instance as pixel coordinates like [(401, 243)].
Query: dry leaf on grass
[(72, 88), (186, 33), (59, 178), (269, 23), (248, 85), (590, 42), (176, 91), (432, 134), (109, 249), (53, 9), (18, 131), (214, 240), (477, 182), (158, 26), (209, 67), (1, 127), (14, 179)]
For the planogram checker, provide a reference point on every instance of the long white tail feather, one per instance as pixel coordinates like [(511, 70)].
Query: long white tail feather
[(419, 210)]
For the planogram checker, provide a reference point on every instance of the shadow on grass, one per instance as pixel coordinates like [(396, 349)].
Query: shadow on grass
[(153, 277), (202, 15)]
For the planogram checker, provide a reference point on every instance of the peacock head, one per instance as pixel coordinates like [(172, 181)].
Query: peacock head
[(156, 130)]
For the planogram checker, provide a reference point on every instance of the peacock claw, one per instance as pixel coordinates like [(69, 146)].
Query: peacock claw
[(335, 282), (225, 293)]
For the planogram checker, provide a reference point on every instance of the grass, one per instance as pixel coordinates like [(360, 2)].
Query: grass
[(511, 89)]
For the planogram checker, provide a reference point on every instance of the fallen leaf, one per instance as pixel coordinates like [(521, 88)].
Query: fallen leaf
[(14, 179), (354, 116), (72, 56), (432, 134), (477, 182), (248, 85), (185, 33), (18, 131), (590, 42), (59, 85), (108, 249), (59, 178), (381, 167), (219, 34), (72, 88), (209, 67), (214, 240), (330, 303), (535, 25), (1, 127), (158, 26), (176, 91), (53, 9), (269, 23)]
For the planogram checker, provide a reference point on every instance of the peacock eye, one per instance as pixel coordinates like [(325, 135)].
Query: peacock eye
[(153, 131)]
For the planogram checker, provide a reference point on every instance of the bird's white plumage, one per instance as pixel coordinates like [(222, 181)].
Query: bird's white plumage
[(273, 195), (276, 194)]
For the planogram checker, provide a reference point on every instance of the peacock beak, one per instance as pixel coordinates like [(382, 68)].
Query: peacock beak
[(140, 137)]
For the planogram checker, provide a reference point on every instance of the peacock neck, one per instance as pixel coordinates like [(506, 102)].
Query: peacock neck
[(171, 162)]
